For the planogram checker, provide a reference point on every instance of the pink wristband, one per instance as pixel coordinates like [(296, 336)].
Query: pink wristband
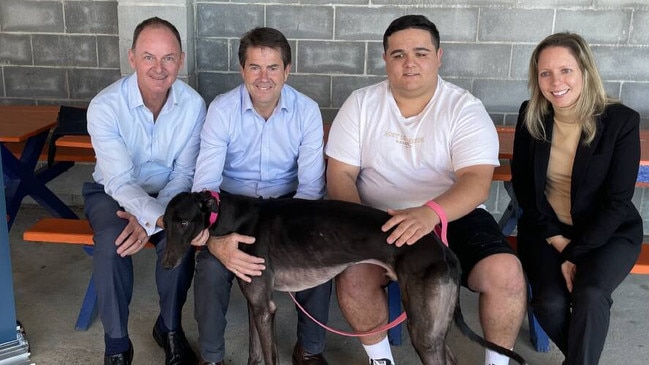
[(443, 220)]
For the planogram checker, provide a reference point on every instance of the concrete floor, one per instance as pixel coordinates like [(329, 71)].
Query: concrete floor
[(50, 281)]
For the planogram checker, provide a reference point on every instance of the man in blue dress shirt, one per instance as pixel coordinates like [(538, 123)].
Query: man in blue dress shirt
[(262, 139), (145, 131)]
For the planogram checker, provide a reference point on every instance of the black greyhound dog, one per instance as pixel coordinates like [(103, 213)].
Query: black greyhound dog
[(308, 242)]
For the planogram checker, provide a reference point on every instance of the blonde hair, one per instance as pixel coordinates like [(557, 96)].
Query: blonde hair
[(590, 104)]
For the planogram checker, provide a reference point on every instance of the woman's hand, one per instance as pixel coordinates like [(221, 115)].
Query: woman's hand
[(559, 242), (568, 269)]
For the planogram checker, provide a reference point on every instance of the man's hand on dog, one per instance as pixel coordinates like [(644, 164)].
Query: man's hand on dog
[(412, 224), (133, 237), (226, 249)]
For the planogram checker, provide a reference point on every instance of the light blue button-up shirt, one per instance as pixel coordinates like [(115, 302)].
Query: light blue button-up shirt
[(244, 154), (138, 157)]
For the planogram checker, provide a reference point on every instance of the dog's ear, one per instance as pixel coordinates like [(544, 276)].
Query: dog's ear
[(213, 204), (204, 194), (208, 202)]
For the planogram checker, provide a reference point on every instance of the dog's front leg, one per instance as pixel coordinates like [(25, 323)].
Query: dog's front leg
[(261, 310)]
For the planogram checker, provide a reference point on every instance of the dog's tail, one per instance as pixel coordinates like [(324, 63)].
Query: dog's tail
[(468, 332)]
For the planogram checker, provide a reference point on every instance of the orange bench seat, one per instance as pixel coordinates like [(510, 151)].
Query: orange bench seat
[(78, 231), (62, 230), (63, 153), (641, 265)]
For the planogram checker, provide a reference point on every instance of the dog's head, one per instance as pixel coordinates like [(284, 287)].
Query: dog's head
[(187, 214)]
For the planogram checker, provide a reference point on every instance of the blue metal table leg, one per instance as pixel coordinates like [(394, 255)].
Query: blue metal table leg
[(538, 337), (512, 213), (394, 311), (88, 311), (14, 348), (22, 180)]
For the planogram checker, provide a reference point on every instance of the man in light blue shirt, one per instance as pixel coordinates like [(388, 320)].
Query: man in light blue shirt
[(262, 139), (145, 130)]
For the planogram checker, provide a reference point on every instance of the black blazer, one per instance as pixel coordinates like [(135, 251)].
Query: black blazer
[(604, 174)]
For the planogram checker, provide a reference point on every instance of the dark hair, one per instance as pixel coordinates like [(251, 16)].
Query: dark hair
[(410, 22), (265, 37), (155, 22)]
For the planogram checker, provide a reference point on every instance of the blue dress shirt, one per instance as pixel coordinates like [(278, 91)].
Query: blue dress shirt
[(244, 154), (144, 163)]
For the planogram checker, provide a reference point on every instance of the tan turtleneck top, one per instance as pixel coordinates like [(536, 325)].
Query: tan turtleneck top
[(565, 139)]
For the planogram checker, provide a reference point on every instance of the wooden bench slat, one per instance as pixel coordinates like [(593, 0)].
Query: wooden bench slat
[(642, 264), (74, 141), (74, 154), (513, 242), (62, 230), (502, 172), (58, 230), (78, 231)]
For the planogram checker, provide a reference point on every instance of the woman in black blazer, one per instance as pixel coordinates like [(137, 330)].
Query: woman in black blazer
[(576, 157)]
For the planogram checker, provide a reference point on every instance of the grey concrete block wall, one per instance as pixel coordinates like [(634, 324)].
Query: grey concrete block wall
[(64, 51), (298, 22), (640, 35), (515, 25), (35, 83), (57, 52), (31, 16), (93, 17), (487, 42)]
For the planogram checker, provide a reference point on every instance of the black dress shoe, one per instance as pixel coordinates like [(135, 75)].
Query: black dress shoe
[(177, 349), (301, 357), (123, 358)]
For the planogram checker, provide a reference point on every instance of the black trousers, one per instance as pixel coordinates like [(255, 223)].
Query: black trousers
[(576, 322)]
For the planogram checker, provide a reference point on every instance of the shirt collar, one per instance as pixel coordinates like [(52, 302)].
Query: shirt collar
[(136, 100), (246, 101)]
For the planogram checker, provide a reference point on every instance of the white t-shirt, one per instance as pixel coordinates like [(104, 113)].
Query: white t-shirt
[(405, 162)]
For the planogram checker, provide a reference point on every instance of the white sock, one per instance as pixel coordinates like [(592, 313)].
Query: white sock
[(494, 358), (380, 350)]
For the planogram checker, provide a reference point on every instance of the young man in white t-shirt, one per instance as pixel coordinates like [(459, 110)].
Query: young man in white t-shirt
[(413, 138)]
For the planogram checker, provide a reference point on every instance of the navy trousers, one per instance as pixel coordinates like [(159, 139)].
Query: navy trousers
[(212, 285), (113, 274)]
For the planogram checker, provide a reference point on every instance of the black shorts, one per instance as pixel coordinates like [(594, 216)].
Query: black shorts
[(474, 237)]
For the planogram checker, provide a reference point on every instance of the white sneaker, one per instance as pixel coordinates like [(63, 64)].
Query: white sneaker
[(380, 362)]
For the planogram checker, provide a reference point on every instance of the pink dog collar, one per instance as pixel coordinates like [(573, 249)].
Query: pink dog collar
[(214, 215)]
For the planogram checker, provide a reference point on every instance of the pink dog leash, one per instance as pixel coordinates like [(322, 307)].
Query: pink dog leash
[(441, 233), (397, 321)]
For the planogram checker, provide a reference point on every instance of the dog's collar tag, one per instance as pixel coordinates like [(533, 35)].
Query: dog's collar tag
[(214, 215)]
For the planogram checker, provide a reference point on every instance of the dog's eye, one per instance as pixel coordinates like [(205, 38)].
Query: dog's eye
[(184, 223)]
